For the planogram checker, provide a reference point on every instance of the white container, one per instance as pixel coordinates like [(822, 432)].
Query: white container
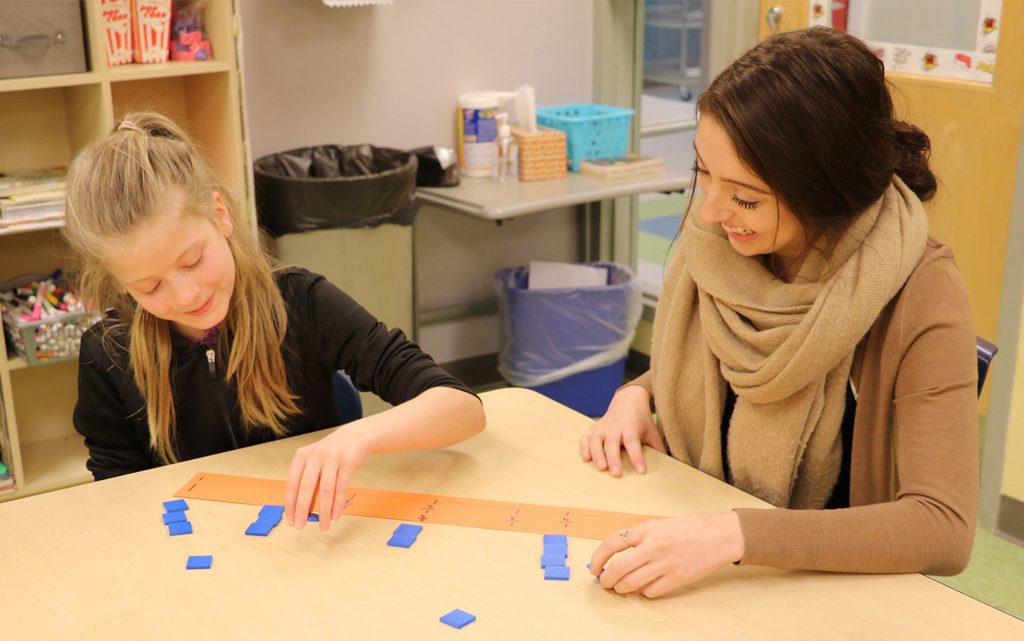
[(478, 133)]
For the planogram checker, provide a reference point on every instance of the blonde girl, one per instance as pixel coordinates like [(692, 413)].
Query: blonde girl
[(207, 348)]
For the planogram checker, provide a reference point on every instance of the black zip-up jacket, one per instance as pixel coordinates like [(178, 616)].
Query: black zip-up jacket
[(327, 331)]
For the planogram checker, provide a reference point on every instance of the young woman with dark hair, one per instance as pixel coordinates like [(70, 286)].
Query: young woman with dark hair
[(812, 346)]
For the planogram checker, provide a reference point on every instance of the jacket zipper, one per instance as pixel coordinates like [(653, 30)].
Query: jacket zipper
[(211, 360)]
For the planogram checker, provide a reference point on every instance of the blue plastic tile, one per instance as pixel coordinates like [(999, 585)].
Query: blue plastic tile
[(175, 506), (275, 511), (556, 539), (179, 527), (407, 529), (259, 528), (556, 573), (270, 520), (397, 541), (551, 559), (199, 562), (174, 517), (551, 550), (458, 618), (313, 518)]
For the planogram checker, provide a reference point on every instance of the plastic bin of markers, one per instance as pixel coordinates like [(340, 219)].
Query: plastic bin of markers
[(48, 340)]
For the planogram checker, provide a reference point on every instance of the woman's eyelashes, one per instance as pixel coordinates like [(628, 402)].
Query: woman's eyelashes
[(739, 202), (745, 204)]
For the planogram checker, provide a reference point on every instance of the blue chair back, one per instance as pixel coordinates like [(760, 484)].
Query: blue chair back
[(346, 398), (986, 352)]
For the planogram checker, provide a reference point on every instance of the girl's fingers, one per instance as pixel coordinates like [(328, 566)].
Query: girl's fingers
[(344, 474), (307, 487), (328, 481), (291, 488)]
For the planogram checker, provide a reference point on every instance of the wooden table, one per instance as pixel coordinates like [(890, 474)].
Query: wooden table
[(96, 562)]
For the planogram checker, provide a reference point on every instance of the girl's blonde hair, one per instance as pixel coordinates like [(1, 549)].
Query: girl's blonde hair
[(115, 184)]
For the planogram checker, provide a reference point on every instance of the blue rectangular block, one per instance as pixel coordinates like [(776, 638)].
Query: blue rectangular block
[(556, 573), (556, 539), (551, 559), (199, 562), (397, 541), (458, 618), (313, 518), (268, 511), (407, 529), (175, 506), (269, 519), (179, 527), (551, 550), (174, 517), (259, 528)]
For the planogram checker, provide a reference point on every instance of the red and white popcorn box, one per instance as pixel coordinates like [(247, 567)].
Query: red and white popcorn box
[(151, 30), (117, 22)]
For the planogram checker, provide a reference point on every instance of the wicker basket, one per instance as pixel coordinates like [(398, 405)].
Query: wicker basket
[(542, 155)]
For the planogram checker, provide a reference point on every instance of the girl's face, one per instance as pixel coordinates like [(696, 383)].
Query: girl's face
[(756, 221), (178, 266)]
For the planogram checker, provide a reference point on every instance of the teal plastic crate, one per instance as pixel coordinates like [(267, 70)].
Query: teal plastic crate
[(592, 131)]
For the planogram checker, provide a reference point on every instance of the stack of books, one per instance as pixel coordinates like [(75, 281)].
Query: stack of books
[(6, 480), (30, 197)]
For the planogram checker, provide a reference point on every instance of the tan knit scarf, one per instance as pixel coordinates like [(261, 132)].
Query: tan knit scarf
[(785, 348)]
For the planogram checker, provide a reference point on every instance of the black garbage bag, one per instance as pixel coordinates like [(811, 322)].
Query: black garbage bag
[(331, 186)]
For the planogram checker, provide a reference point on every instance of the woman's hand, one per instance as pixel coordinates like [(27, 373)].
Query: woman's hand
[(627, 424), (328, 465), (657, 556)]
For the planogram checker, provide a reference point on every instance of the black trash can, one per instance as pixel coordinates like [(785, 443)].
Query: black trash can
[(331, 187), (345, 212)]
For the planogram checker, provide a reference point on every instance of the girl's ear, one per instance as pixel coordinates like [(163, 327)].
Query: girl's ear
[(222, 215)]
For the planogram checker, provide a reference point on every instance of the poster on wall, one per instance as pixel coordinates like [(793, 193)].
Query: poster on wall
[(953, 39)]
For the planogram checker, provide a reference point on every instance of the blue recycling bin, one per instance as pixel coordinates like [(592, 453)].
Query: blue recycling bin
[(569, 344)]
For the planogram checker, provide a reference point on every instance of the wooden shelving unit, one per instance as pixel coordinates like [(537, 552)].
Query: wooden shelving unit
[(44, 122)]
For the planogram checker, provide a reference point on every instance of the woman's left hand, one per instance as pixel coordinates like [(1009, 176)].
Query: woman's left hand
[(327, 464), (658, 556)]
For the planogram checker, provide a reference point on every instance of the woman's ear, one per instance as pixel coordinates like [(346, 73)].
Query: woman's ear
[(222, 215)]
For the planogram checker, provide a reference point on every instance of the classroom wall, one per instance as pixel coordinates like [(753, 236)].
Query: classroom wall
[(389, 75), (1008, 389), (1013, 466)]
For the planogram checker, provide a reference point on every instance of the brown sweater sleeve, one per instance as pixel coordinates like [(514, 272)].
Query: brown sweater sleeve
[(925, 521)]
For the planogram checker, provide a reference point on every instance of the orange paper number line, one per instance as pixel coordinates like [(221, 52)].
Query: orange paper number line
[(424, 508)]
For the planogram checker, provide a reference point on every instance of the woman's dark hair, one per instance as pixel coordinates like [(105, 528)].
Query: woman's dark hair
[(809, 112)]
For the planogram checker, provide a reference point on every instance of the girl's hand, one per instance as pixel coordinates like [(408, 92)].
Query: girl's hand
[(627, 424), (327, 464), (438, 417), (657, 556)]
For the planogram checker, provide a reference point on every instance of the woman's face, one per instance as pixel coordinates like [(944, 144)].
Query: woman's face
[(178, 266), (756, 222)]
